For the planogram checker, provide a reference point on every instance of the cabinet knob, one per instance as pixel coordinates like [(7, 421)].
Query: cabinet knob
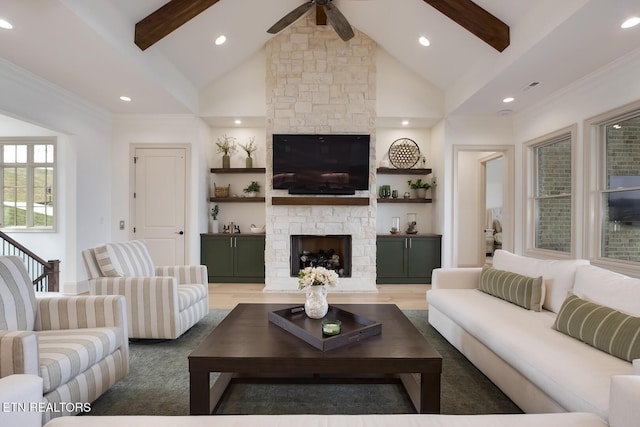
[(180, 232)]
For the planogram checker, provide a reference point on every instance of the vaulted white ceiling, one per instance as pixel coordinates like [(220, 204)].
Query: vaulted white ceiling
[(87, 47)]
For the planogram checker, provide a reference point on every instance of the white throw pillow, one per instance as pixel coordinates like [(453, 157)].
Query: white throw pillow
[(608, 288), (559, 275)]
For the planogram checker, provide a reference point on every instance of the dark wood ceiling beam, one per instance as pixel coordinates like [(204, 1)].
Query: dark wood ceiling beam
[(475, 19), (168, 18)]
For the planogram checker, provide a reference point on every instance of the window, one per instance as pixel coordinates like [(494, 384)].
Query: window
[(549, 201), (620, 189), (28, 183)]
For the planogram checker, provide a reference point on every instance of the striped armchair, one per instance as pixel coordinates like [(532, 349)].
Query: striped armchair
[(77, 345), (162, 302)]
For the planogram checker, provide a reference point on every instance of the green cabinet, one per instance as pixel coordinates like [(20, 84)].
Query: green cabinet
[(233, 258), (407, 259)]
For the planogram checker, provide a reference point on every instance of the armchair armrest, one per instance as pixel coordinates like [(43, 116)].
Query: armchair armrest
[(18, 353), (77, 312), (23, 390), (185, 274), (151, 302), (456, 278)]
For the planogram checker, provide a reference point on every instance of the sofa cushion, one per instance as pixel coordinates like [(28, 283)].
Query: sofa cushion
[(17, 297), (515, 288), (608, 288), (66, 353), (602, 327), (558, 275), (127, 259)]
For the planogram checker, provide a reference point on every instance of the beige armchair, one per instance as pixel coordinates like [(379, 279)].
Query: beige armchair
[(162, 302), (77, 345)]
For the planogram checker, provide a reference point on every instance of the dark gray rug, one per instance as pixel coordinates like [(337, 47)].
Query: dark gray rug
[(158, 384)]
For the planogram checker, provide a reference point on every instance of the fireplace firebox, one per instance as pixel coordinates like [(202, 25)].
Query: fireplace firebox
[(330, 251)]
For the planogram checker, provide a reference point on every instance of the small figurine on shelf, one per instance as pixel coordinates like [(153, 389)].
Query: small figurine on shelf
[(225, 229), (236, 229)]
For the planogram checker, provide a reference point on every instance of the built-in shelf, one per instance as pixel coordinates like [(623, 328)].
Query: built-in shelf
[(390, 200), (394, 171), (237, 199), (238, 170), (324, 201)]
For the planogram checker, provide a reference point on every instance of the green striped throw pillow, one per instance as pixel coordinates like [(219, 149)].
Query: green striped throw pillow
[(601, 327), (515, 288)]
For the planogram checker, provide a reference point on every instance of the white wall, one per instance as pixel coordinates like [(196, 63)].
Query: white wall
[(611, 87), (85, 135), (179, 129)]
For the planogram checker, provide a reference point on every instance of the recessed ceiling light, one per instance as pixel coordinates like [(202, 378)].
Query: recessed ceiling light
[(405, 122), (5, 24), (631, 22), (508, 99), (125, 98), (220, 40), (237, 121), (424, 41)]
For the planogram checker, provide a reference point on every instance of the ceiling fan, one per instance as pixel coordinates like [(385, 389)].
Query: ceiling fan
[(334, 16)]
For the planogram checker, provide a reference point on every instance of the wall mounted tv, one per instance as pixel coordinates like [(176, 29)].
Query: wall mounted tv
[(320, 164)]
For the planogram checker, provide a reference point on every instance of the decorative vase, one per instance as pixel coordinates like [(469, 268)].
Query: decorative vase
[(215, 226), (316, 305), (249, 163), (226, 162)]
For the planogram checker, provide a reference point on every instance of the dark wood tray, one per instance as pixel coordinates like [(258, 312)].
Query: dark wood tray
[(354, 327)]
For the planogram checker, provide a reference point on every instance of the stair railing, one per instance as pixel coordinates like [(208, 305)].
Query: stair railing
[(45, 275)]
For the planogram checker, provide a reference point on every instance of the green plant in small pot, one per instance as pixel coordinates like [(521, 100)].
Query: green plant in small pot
[(252, 189), (249, 148), (420, 188), (215, 227), (227, 146)]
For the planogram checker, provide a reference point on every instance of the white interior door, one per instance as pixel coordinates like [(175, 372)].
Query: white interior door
[(160, 202)]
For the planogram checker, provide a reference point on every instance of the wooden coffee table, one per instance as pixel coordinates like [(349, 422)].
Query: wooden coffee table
[(246, 347)]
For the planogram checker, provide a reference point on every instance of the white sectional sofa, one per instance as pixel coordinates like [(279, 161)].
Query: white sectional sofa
[(541, 369), (624, 413)]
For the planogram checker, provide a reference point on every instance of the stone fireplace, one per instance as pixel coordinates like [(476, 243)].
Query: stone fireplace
[(331, 252), (317, 83)]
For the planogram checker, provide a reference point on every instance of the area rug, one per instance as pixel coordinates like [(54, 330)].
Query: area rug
[(158, 384)]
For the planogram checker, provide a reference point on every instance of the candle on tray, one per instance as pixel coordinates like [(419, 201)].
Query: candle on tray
[(331, 327)]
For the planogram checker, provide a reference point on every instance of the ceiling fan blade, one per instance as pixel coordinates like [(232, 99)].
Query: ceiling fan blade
[(338, 22), (290, 17)]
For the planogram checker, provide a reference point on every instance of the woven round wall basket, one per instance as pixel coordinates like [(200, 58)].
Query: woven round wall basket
[(404, 153)]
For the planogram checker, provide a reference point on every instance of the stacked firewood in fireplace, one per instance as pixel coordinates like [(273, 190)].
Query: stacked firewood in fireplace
[(327, 259)]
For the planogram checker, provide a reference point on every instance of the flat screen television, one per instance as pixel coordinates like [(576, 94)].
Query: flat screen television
[(320, 164)]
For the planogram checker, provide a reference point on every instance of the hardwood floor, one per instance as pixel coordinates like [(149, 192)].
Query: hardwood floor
[(406, 297)]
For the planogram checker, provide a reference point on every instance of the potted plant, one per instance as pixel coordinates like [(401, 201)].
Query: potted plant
[(252, 189), (214, 219), (227, 146), (420, 187), (249, 149)]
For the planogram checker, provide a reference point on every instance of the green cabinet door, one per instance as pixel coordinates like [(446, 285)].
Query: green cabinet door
[(407, 259), (423, 255), (249, 257), (390, 256), (217, 254)]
